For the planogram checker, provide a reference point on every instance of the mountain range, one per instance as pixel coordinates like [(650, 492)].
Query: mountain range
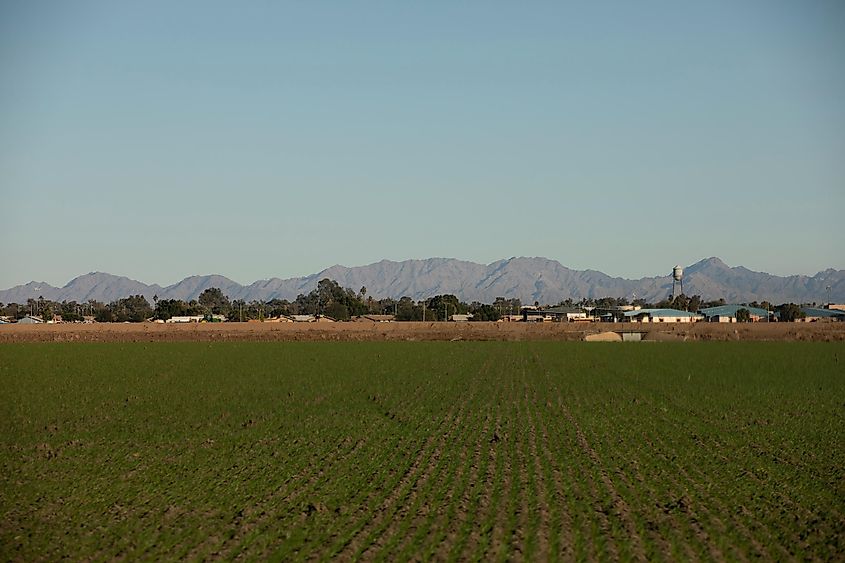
[(530, 279)]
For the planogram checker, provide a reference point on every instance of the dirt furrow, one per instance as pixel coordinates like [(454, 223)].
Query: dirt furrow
[(562, 533), (701, 482), (621, 507), (544, 528), (414, 521), (367, 539), (521, 533), (456, 521), (702, 487), (425, 503), (488, 493), (587, 547), (254, 518), (499, 542)]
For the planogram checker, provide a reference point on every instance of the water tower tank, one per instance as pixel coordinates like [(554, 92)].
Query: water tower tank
[(677, 273)]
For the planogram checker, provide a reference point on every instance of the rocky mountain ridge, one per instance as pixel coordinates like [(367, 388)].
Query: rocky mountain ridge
[(529, 279)]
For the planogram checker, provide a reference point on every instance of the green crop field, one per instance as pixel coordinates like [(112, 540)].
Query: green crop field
[(487, 450)]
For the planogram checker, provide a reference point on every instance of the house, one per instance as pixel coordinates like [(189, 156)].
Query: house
[(458, 318), (279, 319), (185, 319), (727, 313), (660, 316), (612, 314), (374, 319), (30, 320), (533, 314), (566, 314), (303, 318)]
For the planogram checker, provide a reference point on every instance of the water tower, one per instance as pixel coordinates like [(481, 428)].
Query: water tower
[(677, 280)]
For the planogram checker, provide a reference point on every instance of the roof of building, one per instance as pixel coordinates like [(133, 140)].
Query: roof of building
[(823, 313), (730, 311), (461, 316), (660, 313), (374, 318), (562, 310)]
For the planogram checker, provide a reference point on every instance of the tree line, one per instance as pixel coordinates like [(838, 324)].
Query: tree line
[(331, 300)]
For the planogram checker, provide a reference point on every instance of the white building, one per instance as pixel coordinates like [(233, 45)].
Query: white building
[(660, 316)]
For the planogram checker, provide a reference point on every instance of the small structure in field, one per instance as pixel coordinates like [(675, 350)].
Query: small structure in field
[(460, 318)]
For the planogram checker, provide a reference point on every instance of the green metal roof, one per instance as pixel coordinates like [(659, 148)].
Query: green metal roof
[(730, 311), (814, 312)]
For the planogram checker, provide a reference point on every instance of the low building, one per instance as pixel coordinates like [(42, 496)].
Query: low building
[(612, 314), (566, 314), (533, 314), (279, 319), (660, 316), (185, 319), (460, 318), (303, 318), (835, 306), (727, 313), (30, 320), (814, 314), (374, 319)]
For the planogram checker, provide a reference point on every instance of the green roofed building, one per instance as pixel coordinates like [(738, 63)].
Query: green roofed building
[(727, 313), (814, 314)]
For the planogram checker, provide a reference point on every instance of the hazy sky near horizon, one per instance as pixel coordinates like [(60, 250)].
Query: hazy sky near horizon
[(162, 139)]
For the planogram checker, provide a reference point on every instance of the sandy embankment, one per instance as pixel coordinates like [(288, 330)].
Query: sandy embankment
[(151, 332)]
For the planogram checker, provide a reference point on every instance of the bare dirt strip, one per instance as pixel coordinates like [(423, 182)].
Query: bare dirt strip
[(411, 331)]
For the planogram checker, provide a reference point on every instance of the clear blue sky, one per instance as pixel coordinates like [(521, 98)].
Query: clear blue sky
[(260, 139)]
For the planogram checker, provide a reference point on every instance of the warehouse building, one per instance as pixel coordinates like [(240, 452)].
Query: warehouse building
[(727, 313), (813, 314)]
